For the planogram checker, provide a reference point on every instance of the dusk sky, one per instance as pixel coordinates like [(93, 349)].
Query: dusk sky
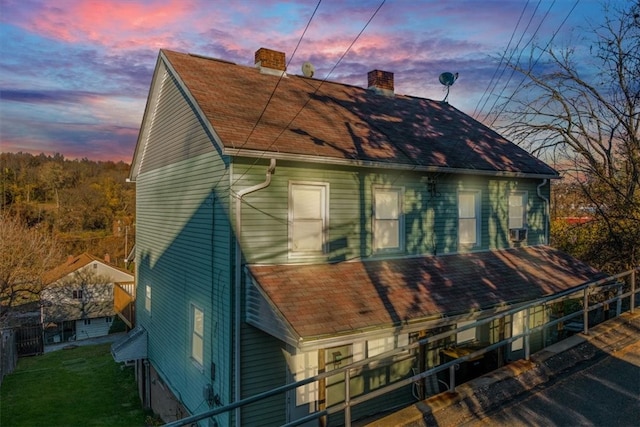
[(75, 74)]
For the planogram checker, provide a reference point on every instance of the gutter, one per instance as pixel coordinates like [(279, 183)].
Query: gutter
[(386, 165), (238, 288), (546, 211)]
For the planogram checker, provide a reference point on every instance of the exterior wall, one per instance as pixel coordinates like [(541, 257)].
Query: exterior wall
[(94, 327), (183, 251), (263, 368), (114, 274), (430, 219)]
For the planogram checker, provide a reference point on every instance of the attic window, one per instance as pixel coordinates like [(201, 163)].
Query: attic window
[(77, 294)]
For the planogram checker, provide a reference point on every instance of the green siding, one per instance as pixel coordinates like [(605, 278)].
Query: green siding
[(430, 220), (184, 250), (263, 368)]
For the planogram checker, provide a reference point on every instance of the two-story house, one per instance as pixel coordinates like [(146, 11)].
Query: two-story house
[(77, 301), (288, 225)]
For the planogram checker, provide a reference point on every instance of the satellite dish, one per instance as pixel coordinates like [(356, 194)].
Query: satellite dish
[(448, 79), (308, 69)]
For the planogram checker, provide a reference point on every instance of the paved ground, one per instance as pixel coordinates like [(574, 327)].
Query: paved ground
[(590, 380), (604, 392), (89, 341)]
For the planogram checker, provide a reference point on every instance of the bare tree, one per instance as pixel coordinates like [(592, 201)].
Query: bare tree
[(582, 111), (25, 255), (82, 294)]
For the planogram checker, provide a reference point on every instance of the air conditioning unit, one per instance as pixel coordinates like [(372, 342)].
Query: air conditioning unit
[(517, 234)]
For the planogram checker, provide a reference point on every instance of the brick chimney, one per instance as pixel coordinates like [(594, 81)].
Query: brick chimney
[(270, 61), (380, 82)]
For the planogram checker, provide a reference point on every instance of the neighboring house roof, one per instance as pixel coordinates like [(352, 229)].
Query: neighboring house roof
[(326, 122), (331, 299), (73, 264)]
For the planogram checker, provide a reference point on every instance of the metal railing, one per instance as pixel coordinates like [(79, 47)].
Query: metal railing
[(583, 292)]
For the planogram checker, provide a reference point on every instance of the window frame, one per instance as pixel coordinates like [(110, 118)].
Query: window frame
[(292, 221), (477, 194), (376, 190), (147, 298), (196, 335), (524, 218), (467, 336)]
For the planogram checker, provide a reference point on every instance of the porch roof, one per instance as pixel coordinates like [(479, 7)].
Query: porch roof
[(320, 301), (133, 346)]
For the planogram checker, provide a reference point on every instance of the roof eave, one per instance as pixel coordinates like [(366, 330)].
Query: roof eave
[(384, 165)]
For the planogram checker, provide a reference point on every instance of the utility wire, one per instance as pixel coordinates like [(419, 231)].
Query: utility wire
[(503, 57), (314, 92), (518, 60), (281, 76), (504, 106)]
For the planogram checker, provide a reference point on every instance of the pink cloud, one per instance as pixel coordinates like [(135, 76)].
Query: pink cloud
[(109, 23)]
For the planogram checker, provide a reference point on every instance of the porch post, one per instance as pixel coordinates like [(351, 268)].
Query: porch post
[(347, 398), (585, 312), (633, 291), (527, 348)]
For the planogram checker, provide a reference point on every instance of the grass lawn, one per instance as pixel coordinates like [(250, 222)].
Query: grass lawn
[(82, 386)]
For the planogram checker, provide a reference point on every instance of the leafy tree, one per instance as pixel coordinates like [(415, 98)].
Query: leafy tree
[(25, 255), (585, 116)]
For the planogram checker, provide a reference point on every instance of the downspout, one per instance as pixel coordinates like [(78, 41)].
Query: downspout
[(238, 276), (546, 212)]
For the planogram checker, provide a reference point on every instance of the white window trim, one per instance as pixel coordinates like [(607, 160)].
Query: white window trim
[(468, 335), (147, 298), (197, 359), (401, 231), (478, 211), (325, 220), (525, 202)]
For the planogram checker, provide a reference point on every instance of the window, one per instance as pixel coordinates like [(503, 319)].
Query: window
[(147, 298), (109, 319), (518, 210), (77, 294), (87, 321), (382, 345), (387, 219), (197, 335), (469, 218), (467, 335), (308, 213), (517, 327)]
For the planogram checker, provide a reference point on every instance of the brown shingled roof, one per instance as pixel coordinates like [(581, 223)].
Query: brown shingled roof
[(73, 264), (308, 117), (327, 299)]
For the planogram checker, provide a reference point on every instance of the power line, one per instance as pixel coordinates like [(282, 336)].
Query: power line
[(281, 77), (314, 92), (535, 63), (518, 60), (503, 57)]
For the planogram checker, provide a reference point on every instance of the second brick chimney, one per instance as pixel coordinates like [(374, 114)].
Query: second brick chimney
[(270, 61), (381, 82)]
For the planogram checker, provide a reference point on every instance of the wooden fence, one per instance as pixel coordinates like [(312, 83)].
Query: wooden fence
[(8, 352)]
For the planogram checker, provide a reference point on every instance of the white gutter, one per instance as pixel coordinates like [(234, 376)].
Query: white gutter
[(238, 276), (384, 165), (546, 212)]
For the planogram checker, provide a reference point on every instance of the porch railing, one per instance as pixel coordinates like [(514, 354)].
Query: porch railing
[(124, 302), (614, 284)]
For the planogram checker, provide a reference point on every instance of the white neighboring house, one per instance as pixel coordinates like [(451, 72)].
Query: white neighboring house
[(77, 302)]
